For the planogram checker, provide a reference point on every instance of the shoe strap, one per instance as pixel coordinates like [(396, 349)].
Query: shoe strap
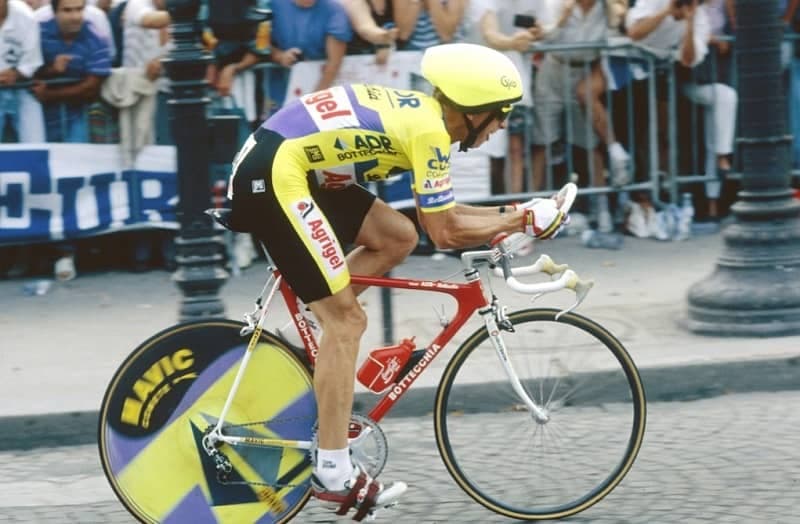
[(352, 497), (369, 501)]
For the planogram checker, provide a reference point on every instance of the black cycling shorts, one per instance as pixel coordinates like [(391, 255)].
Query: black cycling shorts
[(302, 226)]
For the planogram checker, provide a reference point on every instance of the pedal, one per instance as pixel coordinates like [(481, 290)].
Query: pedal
[(372, 515)]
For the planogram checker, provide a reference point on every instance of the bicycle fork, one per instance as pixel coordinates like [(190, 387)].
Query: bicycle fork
[(496, 320)]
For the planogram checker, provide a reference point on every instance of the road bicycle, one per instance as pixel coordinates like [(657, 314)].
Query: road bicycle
[(538, 414)]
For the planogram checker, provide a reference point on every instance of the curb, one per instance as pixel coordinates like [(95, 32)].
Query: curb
[(667, 384)]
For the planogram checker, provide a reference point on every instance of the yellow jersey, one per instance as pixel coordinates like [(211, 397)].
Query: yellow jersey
[(363, 133)]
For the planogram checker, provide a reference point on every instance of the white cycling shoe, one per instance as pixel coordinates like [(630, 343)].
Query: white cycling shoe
[(362, 493)]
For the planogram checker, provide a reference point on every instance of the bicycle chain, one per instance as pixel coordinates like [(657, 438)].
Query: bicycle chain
[(224, 466)]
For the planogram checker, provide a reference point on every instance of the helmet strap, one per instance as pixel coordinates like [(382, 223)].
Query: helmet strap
[(473, 132)]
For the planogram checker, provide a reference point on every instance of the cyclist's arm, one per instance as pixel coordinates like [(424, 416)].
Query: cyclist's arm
[(448, 224), (481, 211), (461, 226)]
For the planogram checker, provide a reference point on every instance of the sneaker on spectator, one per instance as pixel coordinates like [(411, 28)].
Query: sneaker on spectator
[(661, 226), (636, 222), (362, 493), (620, 164), (64, 268)]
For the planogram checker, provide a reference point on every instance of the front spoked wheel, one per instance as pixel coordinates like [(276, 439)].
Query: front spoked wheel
[(538, 468)]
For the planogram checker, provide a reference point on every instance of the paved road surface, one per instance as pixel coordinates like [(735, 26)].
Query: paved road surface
[(728, 459)]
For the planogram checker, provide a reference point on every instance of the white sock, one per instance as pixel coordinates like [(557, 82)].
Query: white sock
[(334, 468)]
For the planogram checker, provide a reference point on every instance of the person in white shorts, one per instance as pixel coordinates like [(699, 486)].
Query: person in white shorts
[(556, 102)]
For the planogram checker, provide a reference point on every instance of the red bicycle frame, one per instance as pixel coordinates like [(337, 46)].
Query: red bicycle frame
[(470, 297)]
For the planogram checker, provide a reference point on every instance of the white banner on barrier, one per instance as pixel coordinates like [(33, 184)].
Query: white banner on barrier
[(357, 69), (56, 191)]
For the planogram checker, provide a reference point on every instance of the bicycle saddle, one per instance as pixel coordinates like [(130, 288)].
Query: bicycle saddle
[(223, 217)]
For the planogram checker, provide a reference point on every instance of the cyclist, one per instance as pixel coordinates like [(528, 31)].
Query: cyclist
[(295, 186)]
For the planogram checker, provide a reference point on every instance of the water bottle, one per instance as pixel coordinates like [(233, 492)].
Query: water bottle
[(686, 217), (380, 369)]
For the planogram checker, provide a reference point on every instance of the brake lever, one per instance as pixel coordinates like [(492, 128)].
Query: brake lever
[(581, 289)]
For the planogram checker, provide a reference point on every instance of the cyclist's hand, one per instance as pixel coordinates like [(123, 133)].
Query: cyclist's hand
[(543, 219), (533, 201)]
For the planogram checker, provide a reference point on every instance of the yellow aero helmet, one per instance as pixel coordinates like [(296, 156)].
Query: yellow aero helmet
[(473, 77)]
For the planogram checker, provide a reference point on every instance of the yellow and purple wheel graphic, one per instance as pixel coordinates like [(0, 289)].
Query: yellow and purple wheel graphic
[(170, 390)]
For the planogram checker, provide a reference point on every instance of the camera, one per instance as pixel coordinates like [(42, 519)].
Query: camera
[(524, 21)]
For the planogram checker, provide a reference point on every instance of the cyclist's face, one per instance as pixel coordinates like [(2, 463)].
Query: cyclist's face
[(495, 124)]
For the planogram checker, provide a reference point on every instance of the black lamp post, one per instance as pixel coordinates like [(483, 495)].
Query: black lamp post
[(199, 251), (755, 288)]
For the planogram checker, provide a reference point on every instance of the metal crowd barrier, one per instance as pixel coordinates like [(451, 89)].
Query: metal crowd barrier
[(665, 178)]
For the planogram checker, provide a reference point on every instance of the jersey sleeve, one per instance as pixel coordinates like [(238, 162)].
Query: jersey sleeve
[(430, 161)]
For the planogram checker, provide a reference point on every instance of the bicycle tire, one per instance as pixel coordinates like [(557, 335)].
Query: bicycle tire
[(466, 415), (169, 390)]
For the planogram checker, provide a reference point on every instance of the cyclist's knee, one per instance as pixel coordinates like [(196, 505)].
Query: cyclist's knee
[(346, 323), (407, 237), (355, 319)]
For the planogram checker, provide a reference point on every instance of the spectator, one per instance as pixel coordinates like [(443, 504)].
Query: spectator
[(491, 23), (434, 22), (20, 57), (92, 14), (684, 26), (555, 89), (145, 40), (235, 52), (591, 92), (73, 50), (306, 30), (374, 26)]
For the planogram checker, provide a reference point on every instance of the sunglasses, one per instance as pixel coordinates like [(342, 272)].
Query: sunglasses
[(502, 114)]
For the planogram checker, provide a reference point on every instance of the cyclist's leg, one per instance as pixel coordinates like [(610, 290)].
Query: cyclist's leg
[(383, 237), (357, 218)]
